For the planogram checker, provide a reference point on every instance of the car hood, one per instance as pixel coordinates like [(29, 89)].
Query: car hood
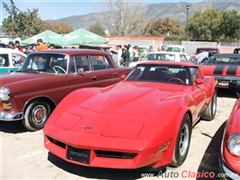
[(133, 98), (221, 69)]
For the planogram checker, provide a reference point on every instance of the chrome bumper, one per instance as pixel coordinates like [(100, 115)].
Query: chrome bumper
[(227, 173), (11, 116)]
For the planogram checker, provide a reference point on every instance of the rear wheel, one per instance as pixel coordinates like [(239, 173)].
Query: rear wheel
[(212, 108), (182, 143), (36, 115)]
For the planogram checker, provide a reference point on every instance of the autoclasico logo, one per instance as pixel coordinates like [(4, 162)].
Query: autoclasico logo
[(188, 174)]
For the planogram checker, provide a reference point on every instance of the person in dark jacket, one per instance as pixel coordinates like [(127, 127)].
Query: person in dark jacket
[(126, 55)]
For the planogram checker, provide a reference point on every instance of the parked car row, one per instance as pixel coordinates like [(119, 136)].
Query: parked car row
[(95, 114)]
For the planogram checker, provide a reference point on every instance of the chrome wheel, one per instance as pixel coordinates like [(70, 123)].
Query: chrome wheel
[(39, 114), (184, 139)]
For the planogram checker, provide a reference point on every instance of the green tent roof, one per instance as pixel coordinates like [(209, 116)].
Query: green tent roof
[(48, 37), (81, 37)]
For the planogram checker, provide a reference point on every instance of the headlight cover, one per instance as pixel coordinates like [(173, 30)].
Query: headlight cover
[(4, 93), (234, 145)]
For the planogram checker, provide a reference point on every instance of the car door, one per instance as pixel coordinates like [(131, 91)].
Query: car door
[(198, 93), (80, 74), (105, 73)]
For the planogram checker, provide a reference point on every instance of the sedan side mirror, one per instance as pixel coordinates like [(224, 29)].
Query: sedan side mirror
[(199, 81)]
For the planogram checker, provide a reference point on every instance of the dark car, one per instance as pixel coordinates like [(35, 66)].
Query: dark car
[(46, 77), (212, 50), (236, 51), (224, 68)]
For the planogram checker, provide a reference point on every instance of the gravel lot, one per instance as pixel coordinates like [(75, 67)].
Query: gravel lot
[(23, 155)]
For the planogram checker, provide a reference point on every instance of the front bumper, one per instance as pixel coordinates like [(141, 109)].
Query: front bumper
[(11, 116), (226, 172)]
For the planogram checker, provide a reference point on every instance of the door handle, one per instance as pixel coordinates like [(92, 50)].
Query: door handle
[(115, 74), (94, 77)]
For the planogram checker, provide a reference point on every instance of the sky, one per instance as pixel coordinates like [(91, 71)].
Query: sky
[(57, 9)]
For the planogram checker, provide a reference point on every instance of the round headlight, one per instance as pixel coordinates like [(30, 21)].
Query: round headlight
[(234, 144), (4, 93)]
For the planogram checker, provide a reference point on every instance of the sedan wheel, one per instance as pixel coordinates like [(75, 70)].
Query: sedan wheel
[(210, 113), (182, 143), (36, 115)]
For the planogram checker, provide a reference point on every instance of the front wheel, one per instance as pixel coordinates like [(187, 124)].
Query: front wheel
[(182, 143), (36, 115)]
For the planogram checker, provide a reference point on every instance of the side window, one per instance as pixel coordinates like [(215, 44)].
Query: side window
[(4, 61), (100, 63), (183, 58), (79, 63), (195, 74), (17, 59)]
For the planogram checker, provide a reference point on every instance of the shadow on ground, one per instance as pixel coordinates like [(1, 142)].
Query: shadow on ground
[(226, 93), (100, 173), (209, 163), (12, 127)]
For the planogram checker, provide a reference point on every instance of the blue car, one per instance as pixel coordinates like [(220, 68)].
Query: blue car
[(10, 60)]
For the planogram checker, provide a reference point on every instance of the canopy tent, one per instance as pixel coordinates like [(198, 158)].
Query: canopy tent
[(81, 37), (48, 37)]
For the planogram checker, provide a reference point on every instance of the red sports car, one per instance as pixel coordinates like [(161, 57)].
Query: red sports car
[(230, 149), (145, 120), (224, 68)]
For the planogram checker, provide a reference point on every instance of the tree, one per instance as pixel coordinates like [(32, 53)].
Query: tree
[(21, 24), (97, 29), (60, 28), (164, 26), (123, 17), (213, 25)]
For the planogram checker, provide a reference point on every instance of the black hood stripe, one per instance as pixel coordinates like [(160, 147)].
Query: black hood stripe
[(232, 70), (219, 69)]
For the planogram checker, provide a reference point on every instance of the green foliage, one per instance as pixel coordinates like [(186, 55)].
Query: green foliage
[(163, 27), (212, 25), (97, 30), (60, 28), (21, 24)]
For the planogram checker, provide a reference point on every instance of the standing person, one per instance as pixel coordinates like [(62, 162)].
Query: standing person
[(150, 49), (11, 45), (119, 50), (17, 45), (51, 46), (41, 46), (130, 49), (135, 53), (114, 54), (126, 55)]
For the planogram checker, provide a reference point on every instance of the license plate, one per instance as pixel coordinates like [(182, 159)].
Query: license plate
[(223, 83), (79, 155)]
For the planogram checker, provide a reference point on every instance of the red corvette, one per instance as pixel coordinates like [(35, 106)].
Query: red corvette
[(224, 68), (230, 149), (145, 120)]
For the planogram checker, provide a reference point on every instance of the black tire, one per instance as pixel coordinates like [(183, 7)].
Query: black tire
[(36, 115), (182, 143), (210, 113)]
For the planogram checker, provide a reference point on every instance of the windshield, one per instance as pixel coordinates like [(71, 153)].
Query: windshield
[(173, 49), (159, 57), (51, 63), (224, 60), (212, 51), (160, 73)]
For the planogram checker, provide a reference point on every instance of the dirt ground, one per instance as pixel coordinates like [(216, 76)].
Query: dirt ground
[(23, 155)]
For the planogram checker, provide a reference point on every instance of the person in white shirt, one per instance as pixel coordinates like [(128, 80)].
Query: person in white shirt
[(135, 53), (201, 56), (119, 53)]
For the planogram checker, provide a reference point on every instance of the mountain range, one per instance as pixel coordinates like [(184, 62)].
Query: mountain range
[(177, 11)]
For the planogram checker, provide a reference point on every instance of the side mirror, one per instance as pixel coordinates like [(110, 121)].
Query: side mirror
[(199, 81), (123, 76), (235, 87)]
